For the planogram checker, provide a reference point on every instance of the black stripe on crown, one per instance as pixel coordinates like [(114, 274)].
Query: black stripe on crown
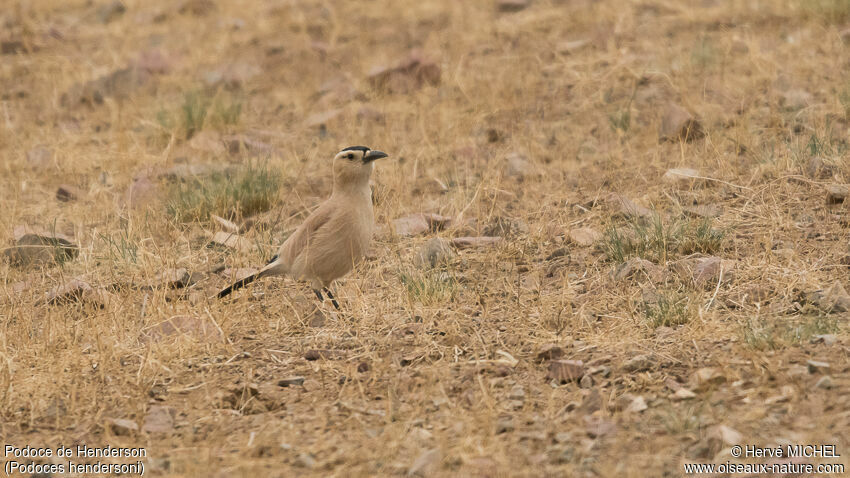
[(357, 148)]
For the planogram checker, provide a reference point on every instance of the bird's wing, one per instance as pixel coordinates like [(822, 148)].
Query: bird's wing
[(304, 235)]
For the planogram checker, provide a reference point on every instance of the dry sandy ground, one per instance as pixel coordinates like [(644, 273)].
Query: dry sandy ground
[(516, 120)]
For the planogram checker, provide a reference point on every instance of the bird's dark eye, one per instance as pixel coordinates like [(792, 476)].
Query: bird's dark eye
[(350, 156)]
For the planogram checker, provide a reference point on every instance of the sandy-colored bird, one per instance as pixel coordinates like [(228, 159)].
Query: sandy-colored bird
[(336, 235)]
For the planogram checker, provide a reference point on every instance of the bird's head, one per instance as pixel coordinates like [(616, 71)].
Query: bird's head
[(353, 166)]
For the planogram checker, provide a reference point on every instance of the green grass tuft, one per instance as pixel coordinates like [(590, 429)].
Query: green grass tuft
[(668, 309), (239, 193), (659, 241), (429, 287)]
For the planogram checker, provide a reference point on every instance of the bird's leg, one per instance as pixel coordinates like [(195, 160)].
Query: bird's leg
[(333, 299), (319, 295)]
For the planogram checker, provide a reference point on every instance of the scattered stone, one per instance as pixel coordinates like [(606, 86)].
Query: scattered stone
[(240, 143), (411, 225), (120, 84), (726, 435), (827, 339), (67, 193), (836, 193), (40, 158), (437, 251), (563, 371), (153, 62), (824, 382), (504, 424), (33, 246), (637, 405), (678, 124), (475, 242), (682, 178), (291, 381), (704, 271), (550, 352), (683, 394), (408, 74), (324, 354), (638, 363), (511, 6), (703, 211), (198, 8), (635, 265), (232, 75), (795, 99), (160, 419), (367, 113), (77, 290), (832, 299), (228, 226), (321, 119), (624, 207), (141, 192), (110, 11), (586, 381), (503, 226), (425, 463), (817, 168), (207, 142), (706, 377), (597, 426), (817, 367), (15, 47), (845, 36), (517, 393), (305, 460), (518, 165), (182, 325), (231, 241), (584, 236), (173, 279), (121, 426)]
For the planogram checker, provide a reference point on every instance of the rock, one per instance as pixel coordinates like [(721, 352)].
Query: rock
[(824, 382), (207, 142), (817, 367), (240, 143), (550, 352), (408, 74), (726, 435), (411, 225), (34, 246), (637, 405), (110, 11), (836, 193), (845, 36), (153, 62), (182, 325), (505, 424), (120, 84), (586, 381), (437, 251), (231, 241), (637, 265), (563, 371), (832, 299), (517, 393), (511, 6), (682, 178), (706, 377), (475, 242), (316, 354), (584, 236), (227, 226), (141, 192), (827, 339), (624, 207), (173, 279), (67, 193), (40, 158), (291, 381), (795, 99), (703, 211), (683, 394), (198, 8), (518, 166), (77, 290), (677, 124), (638, 363), (121, 426), (596, 426), (232, 75), (817, 168), (504, 226), (159, 419), (704, 271), (425, 463), (305, 460), (321, 119), (367, 113)]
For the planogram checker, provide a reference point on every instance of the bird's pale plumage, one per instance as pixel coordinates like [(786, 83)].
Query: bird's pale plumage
[(328, 244)]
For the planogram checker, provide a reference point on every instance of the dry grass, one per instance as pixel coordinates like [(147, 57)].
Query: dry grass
[(422, 358)]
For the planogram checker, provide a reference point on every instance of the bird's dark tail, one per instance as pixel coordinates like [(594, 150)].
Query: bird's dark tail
[(238, 285)]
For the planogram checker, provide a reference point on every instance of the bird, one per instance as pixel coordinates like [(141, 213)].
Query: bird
[(335, 236)]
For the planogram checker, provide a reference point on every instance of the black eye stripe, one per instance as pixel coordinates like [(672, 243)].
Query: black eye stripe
[(350, 156)]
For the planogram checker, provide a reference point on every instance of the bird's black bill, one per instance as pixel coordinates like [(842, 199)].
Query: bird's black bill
[(373, 155)]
